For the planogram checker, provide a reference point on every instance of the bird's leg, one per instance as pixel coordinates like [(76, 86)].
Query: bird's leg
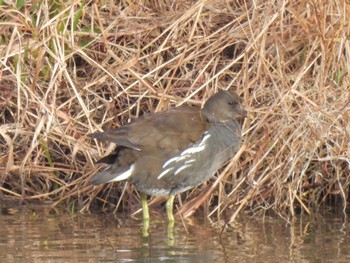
[(145, 212), (171, 221), (145, 215), (169, 208)]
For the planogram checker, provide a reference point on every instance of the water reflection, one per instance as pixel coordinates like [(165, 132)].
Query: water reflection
[(30, 236)]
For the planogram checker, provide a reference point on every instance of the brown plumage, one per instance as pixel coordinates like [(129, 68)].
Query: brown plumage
[(169, 152)]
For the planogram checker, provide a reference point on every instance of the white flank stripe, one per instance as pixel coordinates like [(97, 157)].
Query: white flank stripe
[(182, 168), (193, 150), (199, 148), (124, 175), (164, 172), (205, 138), (170, 161), (181, 158), (190, 161)]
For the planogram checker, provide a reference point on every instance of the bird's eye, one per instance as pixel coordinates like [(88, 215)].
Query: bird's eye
[(231, 103)]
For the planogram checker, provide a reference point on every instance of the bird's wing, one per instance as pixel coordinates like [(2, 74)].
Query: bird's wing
[(157, 131)]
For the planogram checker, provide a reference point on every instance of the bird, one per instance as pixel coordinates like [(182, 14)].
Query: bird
[(169, 152)]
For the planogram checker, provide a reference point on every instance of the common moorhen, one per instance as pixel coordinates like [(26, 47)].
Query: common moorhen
[(169, 152)]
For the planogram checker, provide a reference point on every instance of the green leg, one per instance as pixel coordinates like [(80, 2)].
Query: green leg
[(145, 214), (169, 208), (144, 205), (169, 211), (171, 229)]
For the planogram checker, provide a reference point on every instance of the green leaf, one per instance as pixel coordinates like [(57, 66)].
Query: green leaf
[(20, 3), (340, 75), (78, 15)]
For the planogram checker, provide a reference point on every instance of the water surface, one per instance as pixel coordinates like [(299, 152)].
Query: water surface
[(31, 236)]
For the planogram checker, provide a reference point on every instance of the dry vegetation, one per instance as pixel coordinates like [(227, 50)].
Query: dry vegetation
[(69, 68)]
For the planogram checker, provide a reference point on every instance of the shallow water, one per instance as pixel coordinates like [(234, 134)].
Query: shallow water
[(41, 237)]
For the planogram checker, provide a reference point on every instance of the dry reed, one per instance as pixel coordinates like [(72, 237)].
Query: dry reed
[(69, 68)]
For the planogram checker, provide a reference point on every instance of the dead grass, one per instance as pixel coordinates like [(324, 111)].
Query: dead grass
[(68, 69)]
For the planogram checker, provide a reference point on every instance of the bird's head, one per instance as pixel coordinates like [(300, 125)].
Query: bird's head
[(224, 105)]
